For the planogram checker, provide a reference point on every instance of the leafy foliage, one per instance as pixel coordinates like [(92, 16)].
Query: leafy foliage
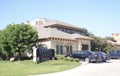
[(99, 44), (87, 33), (17, 38), (4, 44)]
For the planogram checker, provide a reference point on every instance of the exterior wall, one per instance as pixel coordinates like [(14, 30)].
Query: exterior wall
[(116, 37), (52, 45), (76, 45), (64, 44), (117, 47), (82, 41)]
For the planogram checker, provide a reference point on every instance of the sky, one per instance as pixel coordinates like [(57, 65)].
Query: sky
[(100, 17)]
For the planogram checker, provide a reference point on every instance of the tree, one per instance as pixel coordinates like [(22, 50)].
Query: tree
[(4, 45), (106, 47), (18, 38), (96, 44), (87, 33), (99, 44)]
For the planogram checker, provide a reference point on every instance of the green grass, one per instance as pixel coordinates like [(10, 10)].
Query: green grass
[(27, 67)]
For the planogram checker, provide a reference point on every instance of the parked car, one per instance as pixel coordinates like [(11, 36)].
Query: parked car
[(86, 55), (104, 56), (114, 55)]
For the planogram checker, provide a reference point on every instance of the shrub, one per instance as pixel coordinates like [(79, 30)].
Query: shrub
[(65, 58), (70, 59), (60, 57), (76, 60)]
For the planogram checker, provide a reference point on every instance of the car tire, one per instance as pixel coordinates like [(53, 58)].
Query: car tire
[(87, 60), (104, 60)]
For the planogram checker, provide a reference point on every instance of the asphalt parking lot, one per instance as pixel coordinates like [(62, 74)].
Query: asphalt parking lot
[(109, 68)]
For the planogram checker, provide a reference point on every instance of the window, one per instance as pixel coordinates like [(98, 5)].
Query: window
[(68, 49), (84, 47), (59, 49)]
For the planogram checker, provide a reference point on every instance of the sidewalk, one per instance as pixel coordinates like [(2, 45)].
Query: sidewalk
[(70, 72)]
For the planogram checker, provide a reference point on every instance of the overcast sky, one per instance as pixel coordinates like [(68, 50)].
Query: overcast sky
[(101, 17)]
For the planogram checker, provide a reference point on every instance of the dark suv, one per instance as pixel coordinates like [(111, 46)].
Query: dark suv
[(86, 55)]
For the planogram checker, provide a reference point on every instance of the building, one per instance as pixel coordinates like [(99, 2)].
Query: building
[(116, 46), (116, 37), (62, 37)]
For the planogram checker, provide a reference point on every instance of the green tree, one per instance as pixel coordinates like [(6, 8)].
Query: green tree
[(105, 46), (5, 49), (99, 44), (18, 38), (96, 44), (87, 33)]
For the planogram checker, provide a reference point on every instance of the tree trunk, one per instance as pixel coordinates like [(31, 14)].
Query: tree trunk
[(19, 56)]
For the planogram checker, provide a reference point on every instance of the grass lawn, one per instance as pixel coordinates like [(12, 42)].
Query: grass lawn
[(27, 67)]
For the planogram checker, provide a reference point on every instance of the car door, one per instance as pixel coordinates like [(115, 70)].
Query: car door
[(85, 54), (76, 54)]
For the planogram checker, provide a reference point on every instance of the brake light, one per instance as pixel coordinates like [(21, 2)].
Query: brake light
[(95, 55), (104, 56)]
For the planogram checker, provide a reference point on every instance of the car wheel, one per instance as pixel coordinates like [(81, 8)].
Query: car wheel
[(87, 60), (104, 60)]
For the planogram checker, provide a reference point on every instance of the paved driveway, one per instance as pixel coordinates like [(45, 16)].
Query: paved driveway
[(110, 68)]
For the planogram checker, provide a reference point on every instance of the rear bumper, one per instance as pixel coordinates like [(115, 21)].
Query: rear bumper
[(95, 60)]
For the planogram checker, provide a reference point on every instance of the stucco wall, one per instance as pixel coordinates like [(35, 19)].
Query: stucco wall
[(76, 45), (52, 45), (82, 41)]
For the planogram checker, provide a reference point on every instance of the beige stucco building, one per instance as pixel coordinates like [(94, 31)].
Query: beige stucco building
[(64, 38), (116, 37)]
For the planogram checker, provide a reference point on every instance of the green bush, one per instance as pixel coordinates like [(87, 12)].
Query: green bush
[(60, 57), (65, 58), (70, 59), (76, 60)]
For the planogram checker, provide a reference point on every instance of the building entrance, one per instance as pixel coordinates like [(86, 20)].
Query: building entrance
[(85, 47)]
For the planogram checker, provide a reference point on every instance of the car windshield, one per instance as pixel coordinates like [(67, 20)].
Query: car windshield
[(103, 53), (114, 52), (99, 52), (92, 52)]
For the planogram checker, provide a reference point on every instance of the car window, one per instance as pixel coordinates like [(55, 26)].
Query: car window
[(81, 52), (84, 52), (77, 52), (103, 53)]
